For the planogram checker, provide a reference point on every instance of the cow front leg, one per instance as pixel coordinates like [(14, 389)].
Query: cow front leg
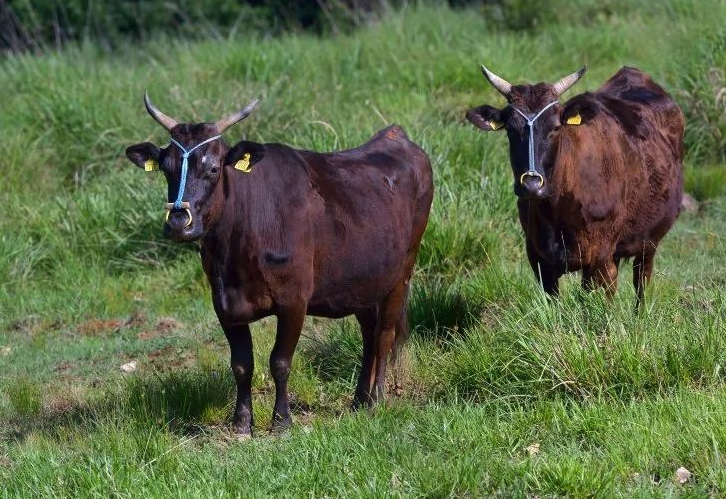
[(602, 274), (546, 275), (642, 270), (242, 362), (289, 327)]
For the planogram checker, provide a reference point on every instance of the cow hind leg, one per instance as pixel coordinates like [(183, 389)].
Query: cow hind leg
[(642, 271), (242, 362), (367, 320), (389, 314), (289, 326)]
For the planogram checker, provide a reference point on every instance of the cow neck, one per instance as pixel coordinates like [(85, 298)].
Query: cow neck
[(227, 203)]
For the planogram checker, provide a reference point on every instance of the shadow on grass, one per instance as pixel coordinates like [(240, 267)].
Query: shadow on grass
[(180, 398), (439, 309), (184, 402), (336, 355)]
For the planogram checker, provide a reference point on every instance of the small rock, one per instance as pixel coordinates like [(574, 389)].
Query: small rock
[(533, 449), (5, 351), (129, 367), (682, 474), (689, 204)]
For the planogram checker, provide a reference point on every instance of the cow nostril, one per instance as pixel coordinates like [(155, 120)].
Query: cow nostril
[(532, 181), (532, 184), (178, 218)]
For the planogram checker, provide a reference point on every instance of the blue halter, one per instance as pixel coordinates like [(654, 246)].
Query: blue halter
[(185, 166), (530, 123)]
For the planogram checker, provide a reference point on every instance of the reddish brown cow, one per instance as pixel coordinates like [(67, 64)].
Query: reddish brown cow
[(288, 232), (598, 179)]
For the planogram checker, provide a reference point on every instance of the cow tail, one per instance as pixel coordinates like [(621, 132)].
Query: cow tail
[(400, 339), (401, 326)]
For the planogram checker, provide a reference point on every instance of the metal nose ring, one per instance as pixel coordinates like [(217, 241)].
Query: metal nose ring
[(532, 174), (185, 206)]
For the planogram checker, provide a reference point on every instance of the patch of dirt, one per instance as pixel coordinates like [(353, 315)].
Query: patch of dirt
[(169, 358), (101, 326), (60, 405), (163, 326), (65, 400), (63, 367), (167, 324)]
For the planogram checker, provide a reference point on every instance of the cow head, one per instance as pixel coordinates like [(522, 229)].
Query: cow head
[(193, 164), (532, 121)]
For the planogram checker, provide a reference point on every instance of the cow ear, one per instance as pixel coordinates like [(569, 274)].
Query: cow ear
[(144, 155), (579, 112), (487, 118), (244, 155)]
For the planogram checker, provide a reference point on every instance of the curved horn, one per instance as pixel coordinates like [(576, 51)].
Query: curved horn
[(502, 85), (565, 83), (230, 120), (163, 119)]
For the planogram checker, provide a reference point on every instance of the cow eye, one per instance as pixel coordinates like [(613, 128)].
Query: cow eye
[(213, 171)]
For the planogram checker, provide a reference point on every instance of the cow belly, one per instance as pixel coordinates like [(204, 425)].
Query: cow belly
[(358, 278)]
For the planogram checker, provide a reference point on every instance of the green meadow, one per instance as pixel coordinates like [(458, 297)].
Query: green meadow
[(505, 394)]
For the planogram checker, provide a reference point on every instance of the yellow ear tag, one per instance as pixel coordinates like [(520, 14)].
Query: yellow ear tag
[(574, 120), (151, 165), (496, 125), (243, 164)]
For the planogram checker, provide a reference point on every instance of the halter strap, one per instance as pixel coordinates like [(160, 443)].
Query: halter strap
[(185, 166), (530, 124)]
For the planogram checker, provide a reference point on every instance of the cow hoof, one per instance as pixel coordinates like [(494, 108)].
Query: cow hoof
[(361, 403), (280, 424), (242, 432)]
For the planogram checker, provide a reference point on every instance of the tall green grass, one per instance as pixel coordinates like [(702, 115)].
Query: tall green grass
[(617, 400)]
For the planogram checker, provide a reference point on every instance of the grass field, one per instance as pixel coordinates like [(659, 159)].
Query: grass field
[(505, 394)]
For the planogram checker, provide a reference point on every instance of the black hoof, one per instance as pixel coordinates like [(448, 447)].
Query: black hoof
[(280, 423), (361, 402), (241, 431)]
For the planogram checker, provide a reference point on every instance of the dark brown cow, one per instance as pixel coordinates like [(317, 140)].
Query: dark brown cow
[(288, 232), (598, 179)]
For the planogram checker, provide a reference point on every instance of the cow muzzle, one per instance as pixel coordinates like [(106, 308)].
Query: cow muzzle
[(532, 181), (184, 206), (531, 186)]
